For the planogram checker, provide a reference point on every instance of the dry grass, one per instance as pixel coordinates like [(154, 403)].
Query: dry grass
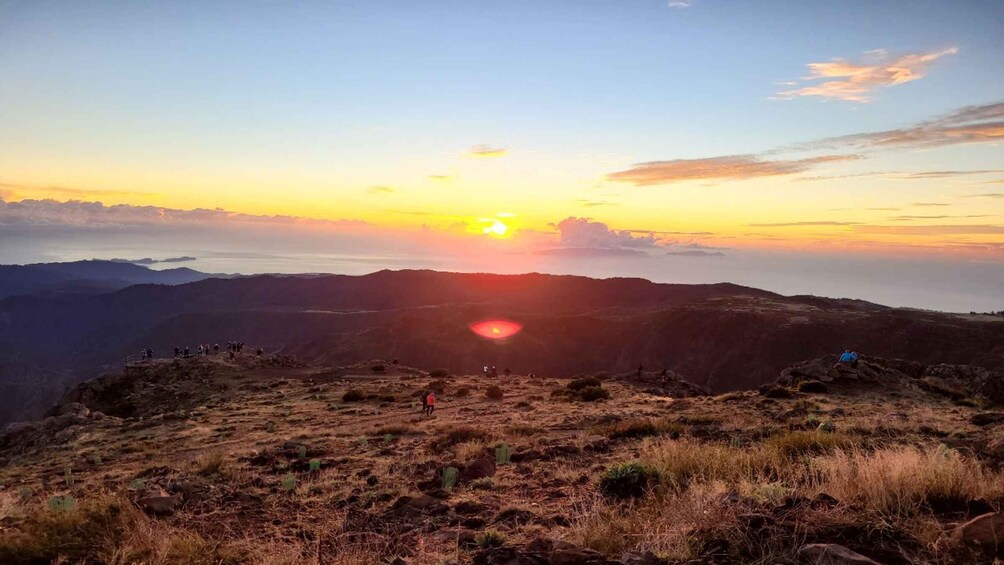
[(902, 481), (683, 462)]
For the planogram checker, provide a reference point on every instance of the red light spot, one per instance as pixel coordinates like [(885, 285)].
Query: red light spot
[(496, 329)]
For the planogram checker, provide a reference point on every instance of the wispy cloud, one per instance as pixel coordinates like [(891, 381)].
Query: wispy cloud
[(929, 204), (679, 3), (911, 218), (804, 223), (441, 178), (12, 191), (488, 151), (733, 167), (952, 229), (380, 190), (985, 195), (972, 124), (855, 81), (696, 253)]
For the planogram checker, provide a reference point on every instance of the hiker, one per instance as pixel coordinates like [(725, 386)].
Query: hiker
[(216, 349), (177, 351), (848, 357), (640, 369), (186, 352), (430, 403), (200, 350), (149, 353), (664, 378), (260, 352), (507, 372)]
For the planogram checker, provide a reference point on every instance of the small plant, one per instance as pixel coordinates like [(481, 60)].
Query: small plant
[(96, 459), (270, 427), (301, 451), (503, 455), (494, 392), (826, 427), (450, 476), (24, 492), (353, 395), (137, 484), (62, 503), (387, 438), (315, 465), (462, 392), (489, 539), (630, 480), (289, 482), (68, 477), (736, 442), (364, 443), (484, 483)]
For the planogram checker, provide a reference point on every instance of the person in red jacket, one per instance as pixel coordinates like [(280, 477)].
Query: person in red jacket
[(430, 403)]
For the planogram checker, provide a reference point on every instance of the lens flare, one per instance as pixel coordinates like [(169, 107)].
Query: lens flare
[(496, 329)]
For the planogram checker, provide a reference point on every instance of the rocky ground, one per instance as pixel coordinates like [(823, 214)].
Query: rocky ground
[(264, 460)]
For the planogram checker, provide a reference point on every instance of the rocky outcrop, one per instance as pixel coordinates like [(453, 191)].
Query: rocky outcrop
[(954, 381), (64, 424)]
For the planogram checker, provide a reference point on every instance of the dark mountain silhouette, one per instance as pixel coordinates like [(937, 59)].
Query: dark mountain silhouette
[(720, 336), (87, 277)]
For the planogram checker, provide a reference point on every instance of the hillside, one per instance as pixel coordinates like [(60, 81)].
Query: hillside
[(267, 460), (723, 336), (78, 278)]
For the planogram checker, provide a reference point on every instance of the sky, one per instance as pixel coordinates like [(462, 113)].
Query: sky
[(848, 149)]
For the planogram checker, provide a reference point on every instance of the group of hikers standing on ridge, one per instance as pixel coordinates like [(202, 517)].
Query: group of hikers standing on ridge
[(233, 348)]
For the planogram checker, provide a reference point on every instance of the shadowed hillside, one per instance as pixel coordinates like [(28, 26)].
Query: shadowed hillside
[(720, 336)]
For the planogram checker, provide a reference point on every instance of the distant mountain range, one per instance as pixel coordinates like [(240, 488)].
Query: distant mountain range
[(722, 336), (88, 277)]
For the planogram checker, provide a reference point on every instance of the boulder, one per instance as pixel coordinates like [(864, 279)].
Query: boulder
[(984, 532), (479, 469), (831, 554)]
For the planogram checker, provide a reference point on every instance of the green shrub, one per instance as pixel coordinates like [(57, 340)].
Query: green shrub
[(353, 395), (581, 383), (630, 480), (592, 394), (490, 539)]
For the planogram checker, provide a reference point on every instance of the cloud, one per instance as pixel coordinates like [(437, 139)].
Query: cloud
[(928, 204), (11, 191), (82, 214), (696, 253), (679, 3), (149, 261), (808, 223), (488, 151), (931, 230), (379, 190), (985, 195), (585, 233), (855, 81), (911, 218), (971, 124), (440, 177), (733, 167), (590, 252)]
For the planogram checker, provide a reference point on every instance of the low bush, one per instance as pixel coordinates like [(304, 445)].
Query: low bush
[(439, 373), (462, 434), (807, 442), (494, 392), (583, 382), (378, 368), (592, 394), (489, 539), (630, 480), (462, 392), (353, 395)]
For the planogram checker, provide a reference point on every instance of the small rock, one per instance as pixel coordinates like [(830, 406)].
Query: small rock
[(479, 469), (832, 554), (156, 500)]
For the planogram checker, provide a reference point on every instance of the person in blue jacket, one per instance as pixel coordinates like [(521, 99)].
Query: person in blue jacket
[(849, 357)]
